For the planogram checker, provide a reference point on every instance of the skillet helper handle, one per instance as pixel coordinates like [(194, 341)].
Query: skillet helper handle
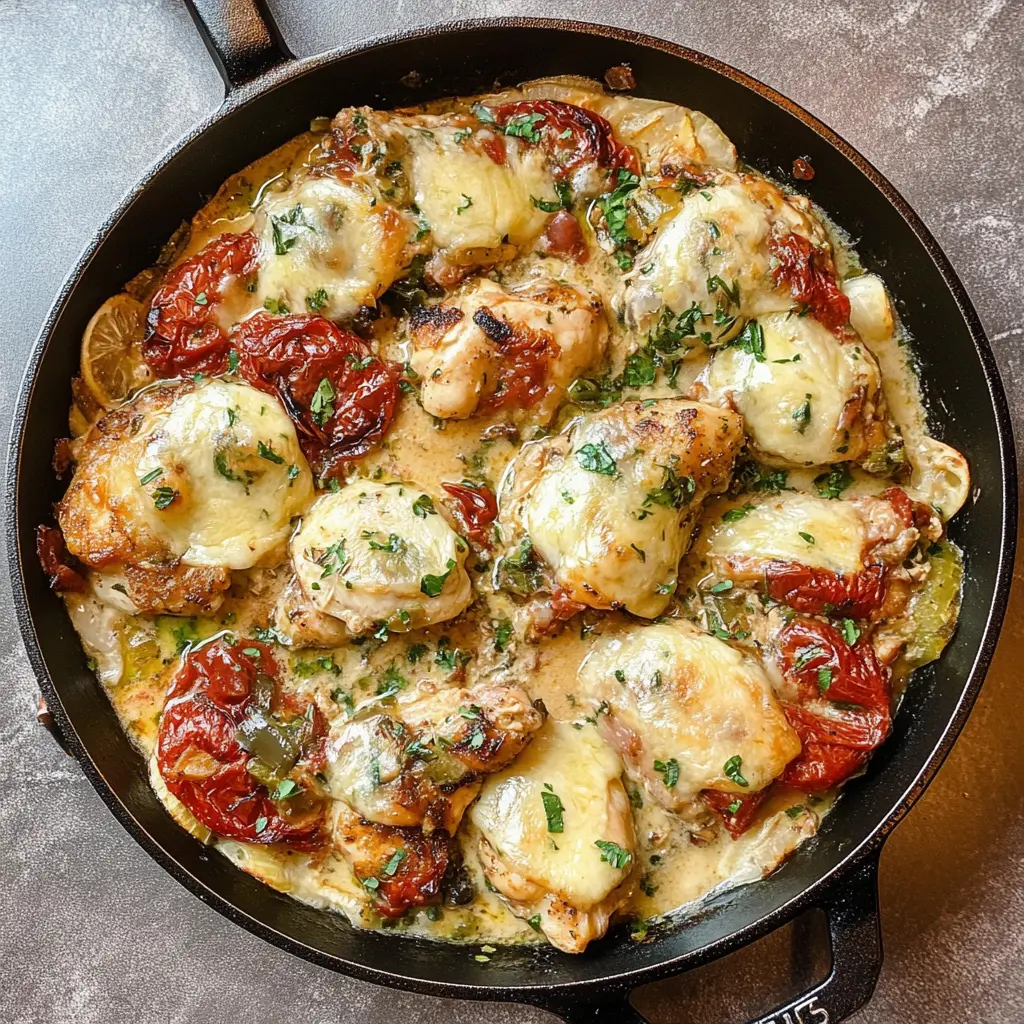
[(855, 934), (241, 38), (856, 939)]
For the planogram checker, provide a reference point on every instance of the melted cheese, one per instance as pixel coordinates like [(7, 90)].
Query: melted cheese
[(795, 396), (609, 542), (329, 246), (471, 202), (673, 693), (718, 232), (363, 555), (578, 767), (772, 531), (235, 506)]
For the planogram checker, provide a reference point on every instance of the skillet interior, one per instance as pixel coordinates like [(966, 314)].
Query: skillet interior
[(955, 371)]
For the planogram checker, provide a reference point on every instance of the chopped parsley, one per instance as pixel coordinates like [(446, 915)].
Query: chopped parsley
[(675, 491), (163, 497), (806, 537), (276, 306), (597, 459), (284, 789), (467, 202), (423, 506), (502, 634), (395, 859), (415, 652), (669, 771), (286, 229), (547, 205), (802, 415), (333, 559), (321, 405), (266, 451), (851, 634), (394, 545), (755, 477), (151, 476), (730, 291), (553, 809), (613, 854), (722, 586), (433, 585), (834, 482), (613, 206), (316, 301), (751, 340), (360, 362), (732, 770), (734, 515), (824, 678), (524, 126)]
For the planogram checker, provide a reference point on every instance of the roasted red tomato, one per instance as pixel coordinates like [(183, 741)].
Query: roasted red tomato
[(570, 135), (737, 812), (476, 508), (820, 592), (524, 355), (341, 396), (822, 766), (231, 756), (847, 714), (815, 656), (811, 278), (57, 562), (183, 333)]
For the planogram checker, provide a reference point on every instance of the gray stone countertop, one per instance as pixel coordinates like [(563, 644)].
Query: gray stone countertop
[(931, 91)]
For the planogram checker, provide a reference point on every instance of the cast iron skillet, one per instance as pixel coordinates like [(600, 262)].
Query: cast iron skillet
[(270, 98)]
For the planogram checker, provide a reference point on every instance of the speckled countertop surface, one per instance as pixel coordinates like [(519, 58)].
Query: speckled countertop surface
[(91, 930)]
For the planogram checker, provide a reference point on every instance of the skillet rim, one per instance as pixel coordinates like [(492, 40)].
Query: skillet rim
[(253, 92)]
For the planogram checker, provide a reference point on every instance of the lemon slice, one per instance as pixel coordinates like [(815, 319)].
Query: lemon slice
[(112, 365)]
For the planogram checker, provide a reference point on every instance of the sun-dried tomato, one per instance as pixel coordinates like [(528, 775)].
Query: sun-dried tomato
[(736, 811), (846, 713), (340, 395), (563, 237), (810, 275), (563, 607), (570, 135), (476, 507), (183, 333), (821, 592), (221, 690), (57, 562), (524, 357), (802, 169)]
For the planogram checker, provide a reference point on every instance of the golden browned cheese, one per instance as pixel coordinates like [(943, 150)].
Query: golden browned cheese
[(521, 715)]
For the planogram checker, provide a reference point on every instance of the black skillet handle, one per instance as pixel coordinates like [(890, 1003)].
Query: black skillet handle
[(856, 939), (241, 38)]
